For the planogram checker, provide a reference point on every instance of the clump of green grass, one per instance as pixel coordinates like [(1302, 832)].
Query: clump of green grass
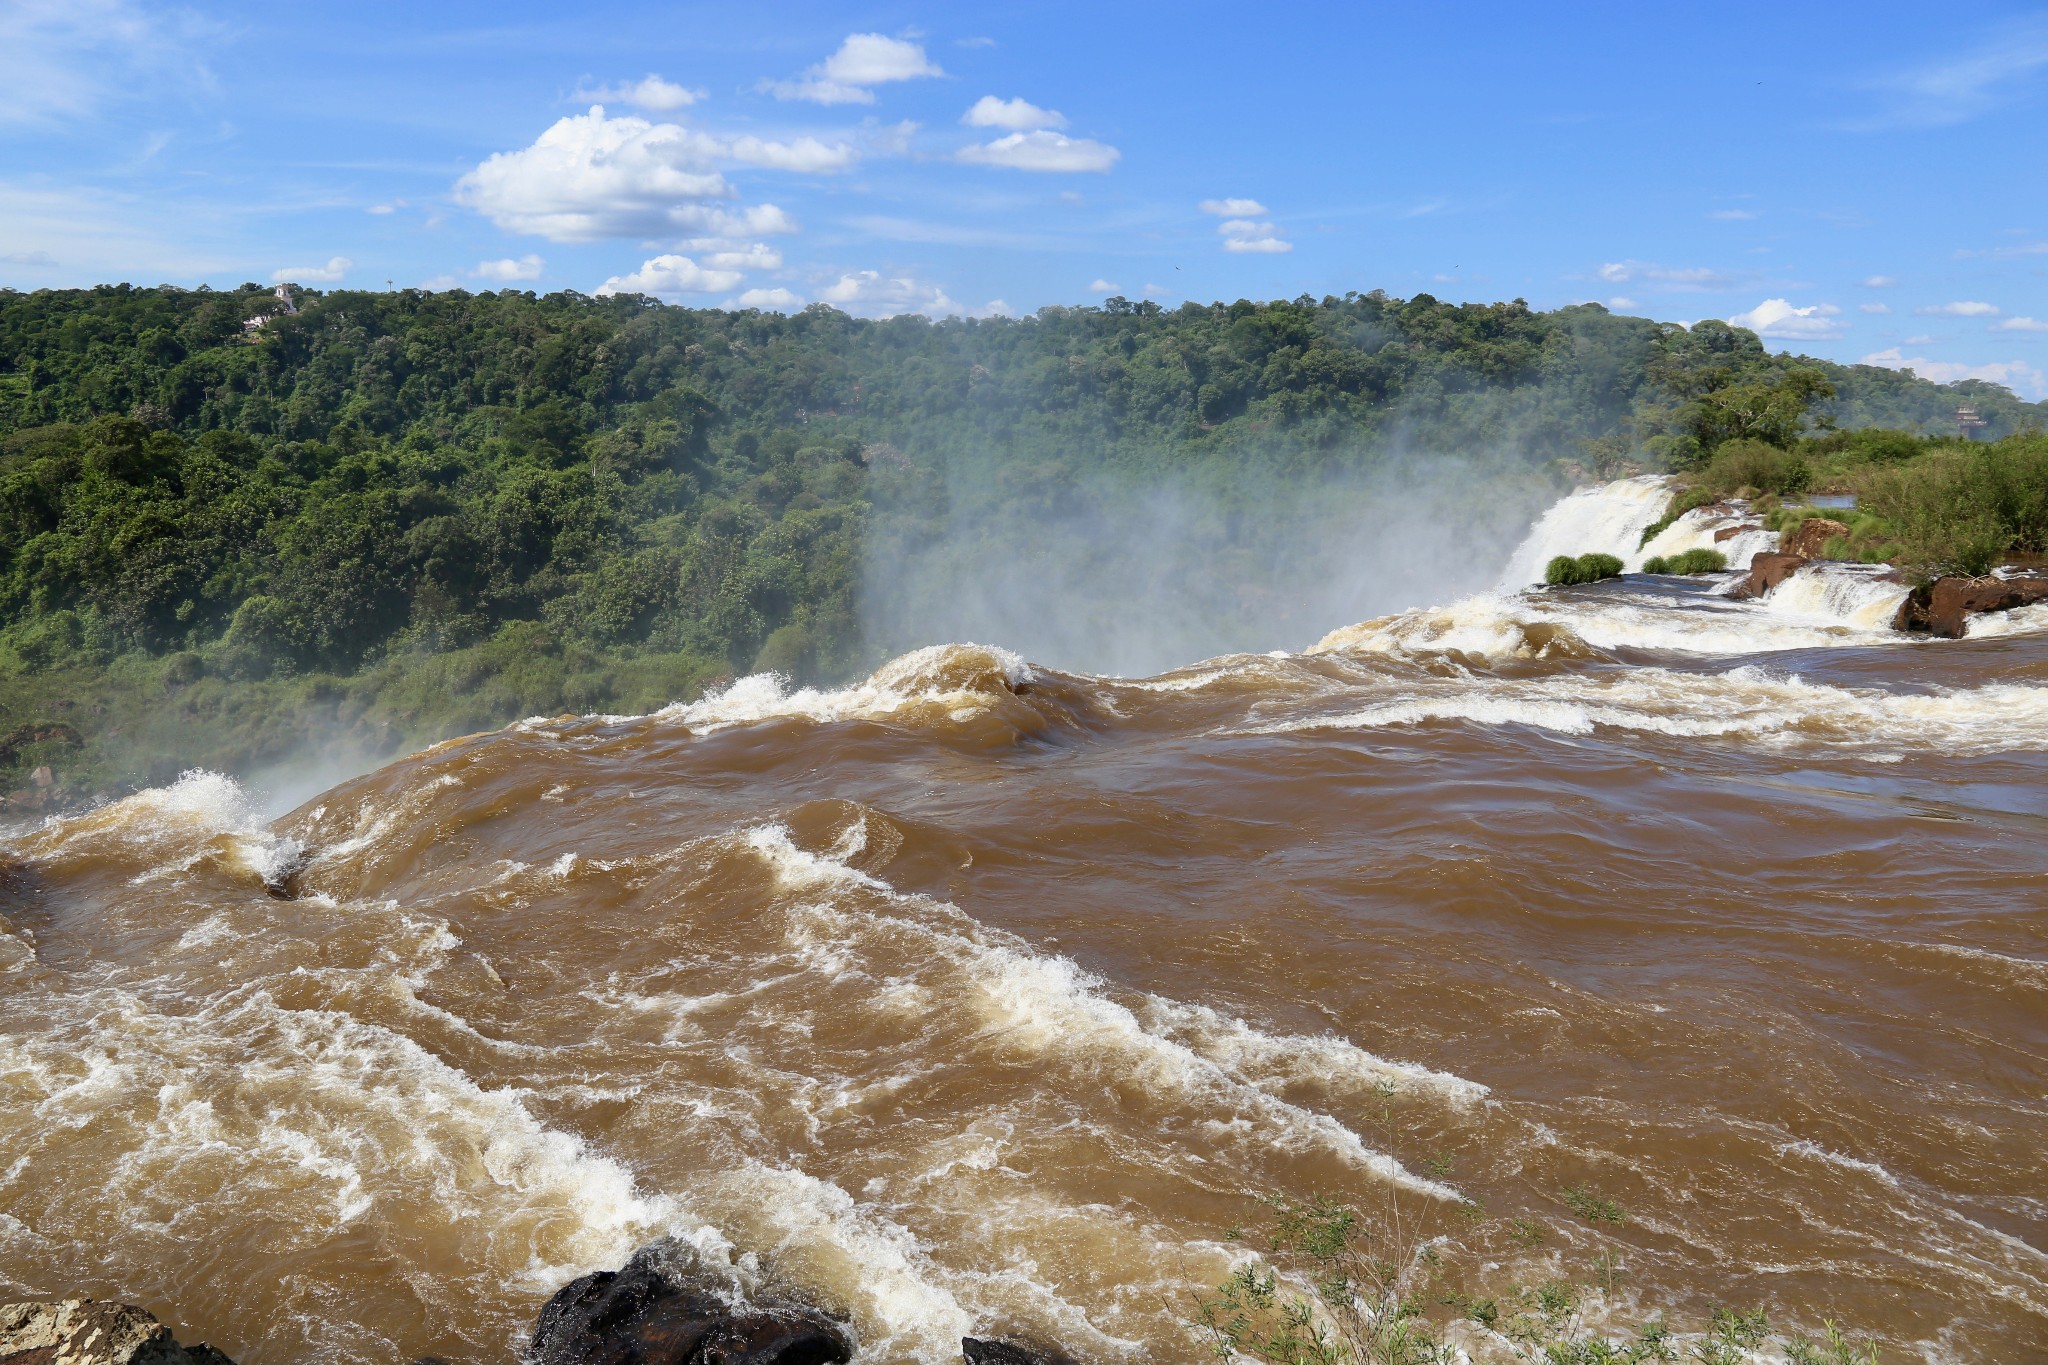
[(1683, 501), (1593, 1208), (1700, 560), (1564, 571)]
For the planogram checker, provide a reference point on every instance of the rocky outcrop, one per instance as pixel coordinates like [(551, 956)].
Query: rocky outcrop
[(85, 1332), (660, 1310), (1810, 537), (978, 1352), (1767, 571), (1945, 606), (1740, 528)]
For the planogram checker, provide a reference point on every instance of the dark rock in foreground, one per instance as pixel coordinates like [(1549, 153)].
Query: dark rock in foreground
[(979, 1352), (86, 1332), (657, 1311), (1945, 606)]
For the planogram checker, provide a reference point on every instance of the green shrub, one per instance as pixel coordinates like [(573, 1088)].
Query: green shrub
[(1754, 465), (1961, 509), (1689, 562), (1683, 501), (1564, 571)]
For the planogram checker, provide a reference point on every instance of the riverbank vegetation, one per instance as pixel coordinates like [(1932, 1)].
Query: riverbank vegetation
[(392, 517), (1329, 1285)]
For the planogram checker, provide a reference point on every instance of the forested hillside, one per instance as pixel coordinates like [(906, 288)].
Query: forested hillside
[(404, 514)]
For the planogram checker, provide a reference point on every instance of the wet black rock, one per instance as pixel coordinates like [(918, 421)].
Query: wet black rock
[(979, 1352), (660, 1311)]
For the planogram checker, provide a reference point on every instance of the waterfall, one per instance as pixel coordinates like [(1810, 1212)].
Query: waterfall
[(1609, 518)]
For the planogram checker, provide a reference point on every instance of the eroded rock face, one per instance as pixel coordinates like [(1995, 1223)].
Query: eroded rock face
[(1768, 570), (1945, 606), (977, 1352), (1810, 537), (658, 1311), (86, 1332)]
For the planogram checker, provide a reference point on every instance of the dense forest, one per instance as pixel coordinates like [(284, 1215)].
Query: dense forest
[(391, 516)]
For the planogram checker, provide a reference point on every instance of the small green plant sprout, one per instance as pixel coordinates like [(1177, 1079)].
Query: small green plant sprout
[(1732, 1337), (1833, 1348), (1594, 1209), (1527, 1232), (1439, 1166)]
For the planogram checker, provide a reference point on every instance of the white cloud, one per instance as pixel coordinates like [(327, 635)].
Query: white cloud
[(1043, 151), (650, 92), (974, 42), (2017, 375), (331, 273), (1962, 308), (874, 294), (1019, 115), (2020, 325), (435, 284), (1235, 208), (527, 267), (1244, 235), (1157, 291), (994, 308), (1732, 215), (665, 275), (1778, 318), (863, 60), (382, 209), (723, 255), (1621, 303), (589, 177), (1874, 307), (1105, 287), (1681, 278), (1919, 340), (770, 300), (1880, 282)]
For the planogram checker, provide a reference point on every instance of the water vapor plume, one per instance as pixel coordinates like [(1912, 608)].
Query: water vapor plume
[(1120, 569)]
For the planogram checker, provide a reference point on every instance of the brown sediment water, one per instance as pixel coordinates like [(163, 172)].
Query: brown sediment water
[(984, 996)]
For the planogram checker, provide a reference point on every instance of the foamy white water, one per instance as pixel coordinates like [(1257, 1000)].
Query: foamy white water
[(1609, 518)]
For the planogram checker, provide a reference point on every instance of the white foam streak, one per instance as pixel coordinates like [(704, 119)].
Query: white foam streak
[(1746, 702), (960, 679)]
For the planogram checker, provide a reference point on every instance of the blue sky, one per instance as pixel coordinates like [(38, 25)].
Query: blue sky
[(1863, 181)]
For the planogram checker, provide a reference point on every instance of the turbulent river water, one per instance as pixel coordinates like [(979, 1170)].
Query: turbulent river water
[(983, 996)]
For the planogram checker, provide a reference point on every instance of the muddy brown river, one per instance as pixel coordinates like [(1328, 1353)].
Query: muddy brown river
[(982, 996)]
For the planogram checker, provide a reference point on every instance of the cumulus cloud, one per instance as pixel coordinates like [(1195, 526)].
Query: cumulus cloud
[(1680, 278), (1105, 287), (874, 294), (651, 92), (1778, 318), (862, 61), (1019, 115), (1617, 303), (527, 267), (331, 273), (770, 300), (1962, 308), (1245, 235), (725, 255), (589, 177), (671, 274), (1043, 151), (1235, 208), (2017, 375), (1874, 307), (2019, 325)]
